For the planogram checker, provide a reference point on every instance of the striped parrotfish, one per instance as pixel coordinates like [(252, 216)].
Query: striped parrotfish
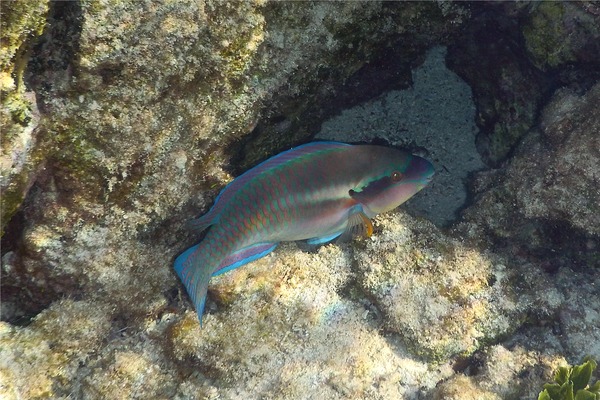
[(318, 191)]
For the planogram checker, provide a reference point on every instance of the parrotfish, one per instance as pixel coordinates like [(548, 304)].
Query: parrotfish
[(318, 191)]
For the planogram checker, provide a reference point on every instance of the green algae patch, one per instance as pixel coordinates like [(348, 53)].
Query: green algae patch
[(573, 383), (545, 35), (561, 33), (22, 21)]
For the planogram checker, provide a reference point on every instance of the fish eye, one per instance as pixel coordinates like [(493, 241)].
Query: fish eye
[(396, 176)]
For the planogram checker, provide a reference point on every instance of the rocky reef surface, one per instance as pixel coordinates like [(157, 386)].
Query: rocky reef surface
[(121, 121)]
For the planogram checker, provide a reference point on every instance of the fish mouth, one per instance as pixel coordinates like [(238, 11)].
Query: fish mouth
[(422, 169), (429, 178)]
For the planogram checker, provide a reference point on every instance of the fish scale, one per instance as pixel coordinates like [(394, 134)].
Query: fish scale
[(317, 191)]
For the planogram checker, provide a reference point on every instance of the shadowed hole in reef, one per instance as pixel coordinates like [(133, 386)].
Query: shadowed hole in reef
[(56, 50), (28, 286), (553, 244), (12, 233), (10, 293), (18, 300), (565, 245)]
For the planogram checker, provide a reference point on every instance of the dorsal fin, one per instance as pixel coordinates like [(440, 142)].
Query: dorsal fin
[(212, 216), (273, 162)]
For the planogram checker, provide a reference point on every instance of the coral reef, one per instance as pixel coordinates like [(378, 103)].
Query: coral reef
[(561, 33), (514, 64), (36, 359), (129, 117), (504, 374), (138, 118), (320, 342)]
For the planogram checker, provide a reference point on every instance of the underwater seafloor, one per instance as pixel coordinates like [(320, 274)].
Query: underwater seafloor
[(123, 120)]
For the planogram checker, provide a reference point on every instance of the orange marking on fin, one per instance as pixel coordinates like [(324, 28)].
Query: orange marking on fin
[(368, 225)]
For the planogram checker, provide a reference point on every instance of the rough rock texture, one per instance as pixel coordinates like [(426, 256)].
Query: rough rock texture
[(561, 33), (503, 374), (283, 329), (34, 360), (443, 296), (321, 343), (143, 106), (548, 196), (297, 324), (19, 159)]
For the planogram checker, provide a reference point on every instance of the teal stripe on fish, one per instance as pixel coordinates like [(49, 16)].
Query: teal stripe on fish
[(315, 192)]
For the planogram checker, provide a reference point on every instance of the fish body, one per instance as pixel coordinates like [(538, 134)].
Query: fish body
[(317, 191)]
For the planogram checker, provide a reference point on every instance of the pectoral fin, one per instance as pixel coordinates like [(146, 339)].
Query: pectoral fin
[(358, 225)]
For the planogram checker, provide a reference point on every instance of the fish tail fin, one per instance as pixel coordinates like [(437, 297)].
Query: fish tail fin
[(194, 275)]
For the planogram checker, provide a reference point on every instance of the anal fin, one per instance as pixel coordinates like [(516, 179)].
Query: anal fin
[(323, 239), (244, 256)]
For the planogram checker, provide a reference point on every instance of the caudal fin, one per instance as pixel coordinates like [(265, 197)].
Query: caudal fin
[(194, 275)]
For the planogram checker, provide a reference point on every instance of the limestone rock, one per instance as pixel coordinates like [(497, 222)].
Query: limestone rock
[(20, 155), (547, 197)]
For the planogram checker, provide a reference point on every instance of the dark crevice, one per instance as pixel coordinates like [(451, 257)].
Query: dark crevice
[(12, 233), (488, 51), (52, 59)]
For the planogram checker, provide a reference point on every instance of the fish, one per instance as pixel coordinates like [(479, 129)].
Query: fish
[(318, 192)]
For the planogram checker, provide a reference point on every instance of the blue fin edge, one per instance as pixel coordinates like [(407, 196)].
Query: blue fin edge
[(233, 261), (244, 256), (180, 260), (324, 239), (179, 265)]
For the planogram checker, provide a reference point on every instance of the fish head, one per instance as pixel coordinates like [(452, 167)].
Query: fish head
[(390, 178)]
